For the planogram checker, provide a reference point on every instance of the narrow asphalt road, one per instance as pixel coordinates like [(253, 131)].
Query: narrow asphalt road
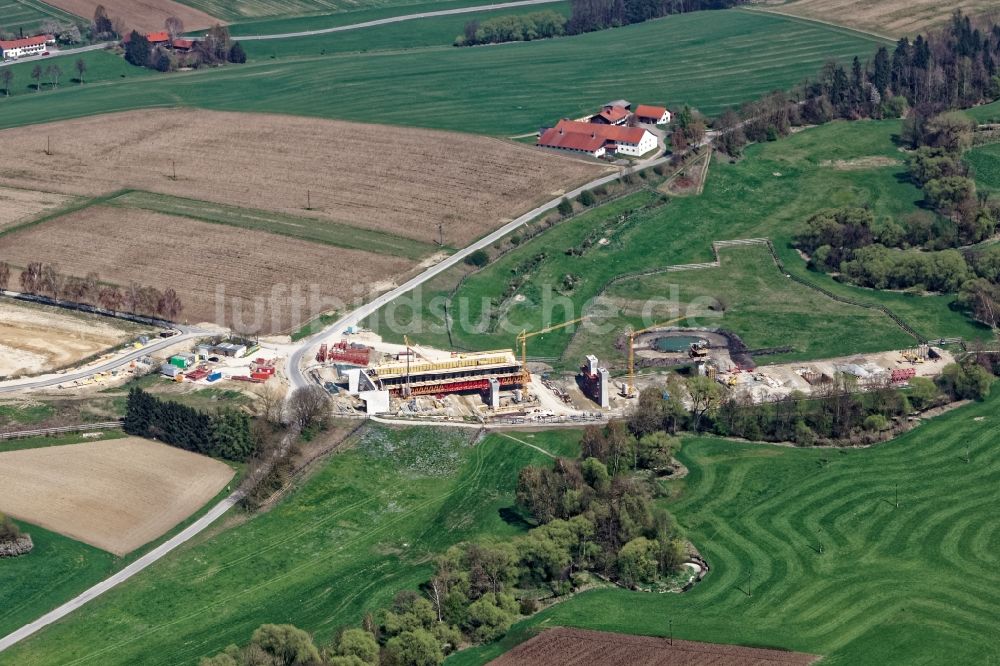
[(46, 381), (396, 19), (146, 560), (57, 53)]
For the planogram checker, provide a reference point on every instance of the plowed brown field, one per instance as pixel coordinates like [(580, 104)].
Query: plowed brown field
[(117, 494), (252, 275), (574, 647), (141, 15), (20, 205), (399, 180)]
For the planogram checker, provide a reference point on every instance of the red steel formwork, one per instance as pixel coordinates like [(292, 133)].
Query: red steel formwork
[(460, 386)]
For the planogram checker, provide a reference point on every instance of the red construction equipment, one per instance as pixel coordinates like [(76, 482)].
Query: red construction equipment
[(900, 375), (321, 355), (353, 353), (195, 375)]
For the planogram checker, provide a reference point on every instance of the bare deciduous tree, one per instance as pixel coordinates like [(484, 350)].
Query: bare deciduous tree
[(308, 405), (271, 402), (4, 275), (7, 76), (110, 298), (170, 305), (174, 26)]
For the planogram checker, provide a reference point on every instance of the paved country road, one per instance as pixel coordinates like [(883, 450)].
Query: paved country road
[(146, 560)]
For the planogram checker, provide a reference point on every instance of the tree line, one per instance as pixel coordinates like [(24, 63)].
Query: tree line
[(585, 16), (843, 410), (513, 28), (41, 279), (224, 434)]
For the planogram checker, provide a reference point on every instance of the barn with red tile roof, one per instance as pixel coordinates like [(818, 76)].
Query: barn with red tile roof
[(652, 115)]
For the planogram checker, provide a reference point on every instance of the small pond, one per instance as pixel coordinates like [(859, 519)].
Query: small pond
[(676, 343)]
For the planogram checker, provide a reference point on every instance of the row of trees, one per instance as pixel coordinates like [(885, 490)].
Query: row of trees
[(836, 412), (225, 434), (513, 28), (9, 531), (591, 15), (45, 280)]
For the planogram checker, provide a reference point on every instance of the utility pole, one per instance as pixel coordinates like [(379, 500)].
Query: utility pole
[(173, 167), (309, 200), (48, 144), (750, 582), (440, 234), (671, 632), (897, 495)]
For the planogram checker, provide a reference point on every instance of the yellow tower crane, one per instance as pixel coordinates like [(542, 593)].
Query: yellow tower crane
[(522, 339), (630, 388)]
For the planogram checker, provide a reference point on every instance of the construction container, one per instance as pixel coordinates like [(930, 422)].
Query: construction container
[(260, 376), (214, 377), (179, 361), (169, 370)]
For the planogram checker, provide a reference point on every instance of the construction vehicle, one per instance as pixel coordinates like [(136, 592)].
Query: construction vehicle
[(698, 349), (522, 339), (628, 390)]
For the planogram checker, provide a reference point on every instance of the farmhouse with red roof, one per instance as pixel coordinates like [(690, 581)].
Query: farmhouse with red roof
[(17, 48), (596, 139), (611, 115)]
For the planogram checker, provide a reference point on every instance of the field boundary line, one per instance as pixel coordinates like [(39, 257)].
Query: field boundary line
[(521, 441), (855, 32)]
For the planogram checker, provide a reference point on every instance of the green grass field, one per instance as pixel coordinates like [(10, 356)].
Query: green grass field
[(362, 528), (27, 15), (762, 305), (917, 584), (301, 13), (330, 233), (770, 193), (57, 569), (727, 57), (985, 162), (102, 67), (430, 32)]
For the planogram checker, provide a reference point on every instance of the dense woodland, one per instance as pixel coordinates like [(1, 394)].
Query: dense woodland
[(225, 434)]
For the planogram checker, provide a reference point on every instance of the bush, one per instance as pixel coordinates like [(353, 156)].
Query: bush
[(876, 423), (586, 198), (8, 530), (479, 258), (565, 207)]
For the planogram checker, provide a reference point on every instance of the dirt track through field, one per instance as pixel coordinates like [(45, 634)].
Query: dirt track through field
[(116, 495), (573, 647), (398, 180), (203, 261), (141, 15), (34, 339)]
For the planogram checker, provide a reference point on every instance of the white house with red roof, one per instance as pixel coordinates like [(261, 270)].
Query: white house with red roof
[(652, 115), (18, 48), (596, 139)]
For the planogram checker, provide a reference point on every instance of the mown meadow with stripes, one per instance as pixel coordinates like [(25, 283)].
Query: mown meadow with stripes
[(709, 60), (809, 550)]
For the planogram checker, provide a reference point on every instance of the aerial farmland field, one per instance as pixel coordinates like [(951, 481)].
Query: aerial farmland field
[(18, 205), (365, 525), (835, 568), (141, 15), (241, 278), (29, 14), (729, 57), (895, 18), (116, 495), (399, 181)]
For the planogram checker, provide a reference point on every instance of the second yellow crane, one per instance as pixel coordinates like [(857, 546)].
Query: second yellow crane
[(522, 339)]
